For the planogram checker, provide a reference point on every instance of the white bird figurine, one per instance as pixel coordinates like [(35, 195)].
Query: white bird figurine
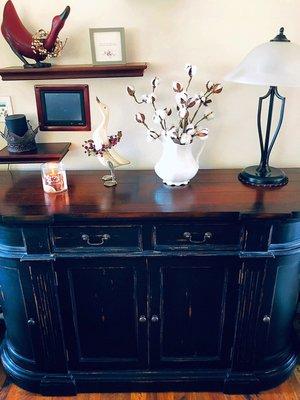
[(109, 158)]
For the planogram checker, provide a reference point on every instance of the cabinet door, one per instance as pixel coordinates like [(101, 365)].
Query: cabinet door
[(267, 306), (193, 307), (29, 300), (103, 302)]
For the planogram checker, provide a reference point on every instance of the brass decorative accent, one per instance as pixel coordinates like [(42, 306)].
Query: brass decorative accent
[(189, 236), (103, 239), (37, 45)]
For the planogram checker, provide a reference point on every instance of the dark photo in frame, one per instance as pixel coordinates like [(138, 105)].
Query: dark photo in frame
[(63, 107)]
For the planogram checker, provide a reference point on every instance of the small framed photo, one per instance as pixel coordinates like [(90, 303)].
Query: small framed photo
[(108, 46), (63, 107), (5, 107)]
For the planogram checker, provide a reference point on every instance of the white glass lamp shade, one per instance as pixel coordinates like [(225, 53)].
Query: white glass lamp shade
[(272, 64)]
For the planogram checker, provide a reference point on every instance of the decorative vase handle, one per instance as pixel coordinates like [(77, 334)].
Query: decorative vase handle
[(200, 151)]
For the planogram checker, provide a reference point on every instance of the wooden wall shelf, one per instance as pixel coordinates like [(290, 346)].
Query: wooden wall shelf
[(73, 72), (45, 152)]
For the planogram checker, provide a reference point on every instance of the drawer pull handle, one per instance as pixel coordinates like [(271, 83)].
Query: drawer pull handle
[(189, 236), (142, 318), (31, 322), (103, 238)]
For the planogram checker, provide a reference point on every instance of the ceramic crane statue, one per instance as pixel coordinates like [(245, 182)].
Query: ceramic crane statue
[(38, 46), (109, 157)]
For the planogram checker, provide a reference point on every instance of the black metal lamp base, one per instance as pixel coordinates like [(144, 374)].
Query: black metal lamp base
[(263, 174), (251, 176)]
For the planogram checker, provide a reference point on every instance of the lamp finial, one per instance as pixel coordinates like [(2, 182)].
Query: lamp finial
[(280, 37)]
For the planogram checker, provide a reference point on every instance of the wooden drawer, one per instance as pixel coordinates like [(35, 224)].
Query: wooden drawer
[(11, 238), (285, 234), (194, 236), (97, 238)]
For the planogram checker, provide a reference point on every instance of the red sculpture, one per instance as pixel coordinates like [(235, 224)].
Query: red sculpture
[(38, 46)]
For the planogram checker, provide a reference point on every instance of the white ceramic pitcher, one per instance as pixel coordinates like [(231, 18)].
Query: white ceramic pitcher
[(177, 165)]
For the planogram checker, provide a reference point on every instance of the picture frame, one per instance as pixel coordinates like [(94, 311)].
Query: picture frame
[(63, 107), (5, 108), (108, 46)]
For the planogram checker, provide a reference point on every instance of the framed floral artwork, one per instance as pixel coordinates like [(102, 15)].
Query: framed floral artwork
[(108, 46)]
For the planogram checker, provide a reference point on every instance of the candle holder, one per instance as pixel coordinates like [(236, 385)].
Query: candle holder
[(54, 177)]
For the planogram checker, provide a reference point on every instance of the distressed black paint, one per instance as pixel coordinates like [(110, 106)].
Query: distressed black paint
[(149, 309)]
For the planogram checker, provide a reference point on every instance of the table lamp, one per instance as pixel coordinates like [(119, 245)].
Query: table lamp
[(276, 63)]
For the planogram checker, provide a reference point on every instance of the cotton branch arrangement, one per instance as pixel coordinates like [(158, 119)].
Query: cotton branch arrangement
[(191, 110)]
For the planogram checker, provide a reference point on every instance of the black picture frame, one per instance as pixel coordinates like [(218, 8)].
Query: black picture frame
[(50, 101)]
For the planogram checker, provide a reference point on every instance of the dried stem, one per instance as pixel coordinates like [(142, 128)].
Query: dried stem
[(204, 117), (161, 120), (157, 135), (136, 100), (206, 95), (189, 83)]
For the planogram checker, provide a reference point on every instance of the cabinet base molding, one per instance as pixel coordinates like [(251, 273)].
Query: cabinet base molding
[(51, 385), (243, 382), (71, 383)]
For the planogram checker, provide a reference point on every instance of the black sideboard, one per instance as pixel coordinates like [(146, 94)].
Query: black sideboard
[(144, 287)]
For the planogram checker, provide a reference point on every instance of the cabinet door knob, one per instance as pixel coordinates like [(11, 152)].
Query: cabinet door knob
[(142, 318), (31, 322), (266, 319), (154, 318)]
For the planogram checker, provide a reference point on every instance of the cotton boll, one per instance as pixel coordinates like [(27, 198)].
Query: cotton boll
[(148, 98), (140, 118), (168, 111), (182, 112), (190, 129), (161, 113), (172, 133), (177, 87), (131, 90), (181, 98), (202, 133), (156, 119), (152, 98), (185, 138), (155, 82), (191, 70)]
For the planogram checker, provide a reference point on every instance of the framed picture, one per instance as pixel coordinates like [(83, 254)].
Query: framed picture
[(5, 107), (108, 46), (63, 107)]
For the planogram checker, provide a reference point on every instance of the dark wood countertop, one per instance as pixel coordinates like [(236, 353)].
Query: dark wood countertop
[(141, 194)]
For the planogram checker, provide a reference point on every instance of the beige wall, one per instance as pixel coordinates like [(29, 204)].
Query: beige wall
[(213, 34)]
